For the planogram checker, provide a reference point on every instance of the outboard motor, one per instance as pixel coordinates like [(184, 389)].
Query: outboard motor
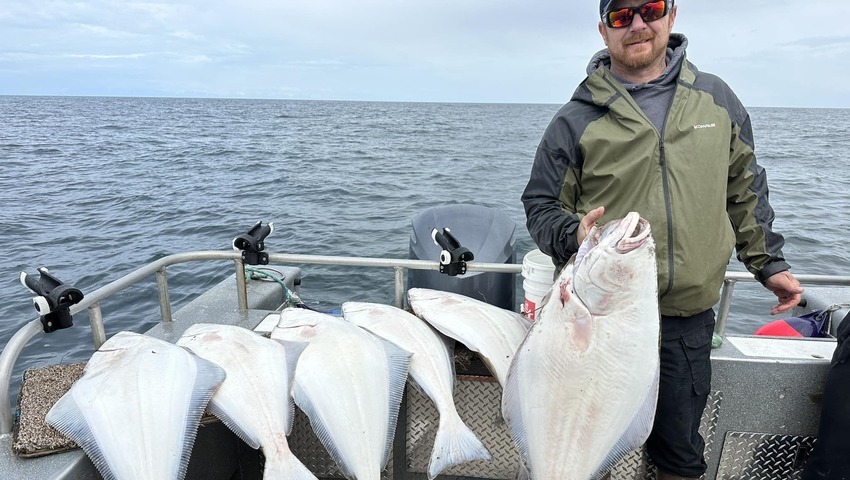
[(453, 234)]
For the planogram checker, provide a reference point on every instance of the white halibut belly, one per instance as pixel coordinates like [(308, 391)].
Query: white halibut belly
[(492, 332), (431, 366), (349, 383), (136, 408), (575, 406), (254, 400), (432, 369), (347, 393)]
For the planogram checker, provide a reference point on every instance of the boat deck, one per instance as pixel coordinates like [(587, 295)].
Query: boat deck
[(760, 422)]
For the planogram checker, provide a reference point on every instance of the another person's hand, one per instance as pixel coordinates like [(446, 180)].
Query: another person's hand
[(786, 288), (588, 221)]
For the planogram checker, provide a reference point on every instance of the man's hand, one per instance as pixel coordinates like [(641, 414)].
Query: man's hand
[(786, 288), (587, 222)]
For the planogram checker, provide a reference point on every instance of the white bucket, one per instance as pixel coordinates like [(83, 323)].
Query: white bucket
[(538, 272)]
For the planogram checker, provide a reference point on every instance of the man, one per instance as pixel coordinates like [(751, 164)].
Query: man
[(646, 131)]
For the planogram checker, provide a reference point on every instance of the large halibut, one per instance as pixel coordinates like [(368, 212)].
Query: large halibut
[(135, 410), (432, 370), (254, 401), (493, 332), (582, 388), (349, 383)]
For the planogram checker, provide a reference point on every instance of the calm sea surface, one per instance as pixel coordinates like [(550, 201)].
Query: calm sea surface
[(93, 188)]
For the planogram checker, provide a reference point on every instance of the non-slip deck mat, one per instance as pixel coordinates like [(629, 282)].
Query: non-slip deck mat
[(41, 388)]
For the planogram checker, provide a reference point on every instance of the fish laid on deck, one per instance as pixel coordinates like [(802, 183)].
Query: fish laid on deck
[(582, 388), (135, 410), (432, 370), (493, 332), (349, 383), (254, 400)]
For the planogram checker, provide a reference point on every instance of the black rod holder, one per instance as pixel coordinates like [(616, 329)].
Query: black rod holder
[(53, 299), (252, 244), (454, 256)]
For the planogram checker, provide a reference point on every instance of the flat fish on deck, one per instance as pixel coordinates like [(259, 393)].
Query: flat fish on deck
[(582, 389), (493, 332), (432, 370), (254, 401), (349, 383), (135, 410)]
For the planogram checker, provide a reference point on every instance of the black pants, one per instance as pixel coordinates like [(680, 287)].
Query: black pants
[(830, 459), (675, 444)]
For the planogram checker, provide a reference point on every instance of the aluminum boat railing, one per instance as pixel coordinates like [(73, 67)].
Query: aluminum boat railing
[(92, 300)]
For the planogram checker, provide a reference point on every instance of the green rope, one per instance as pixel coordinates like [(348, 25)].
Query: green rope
[(252, 273), (716, 340)]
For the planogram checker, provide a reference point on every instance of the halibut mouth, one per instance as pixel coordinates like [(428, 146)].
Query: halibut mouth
[(636, 231), (622, 236)]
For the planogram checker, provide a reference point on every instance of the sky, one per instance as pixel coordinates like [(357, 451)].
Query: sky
[(777, 53)]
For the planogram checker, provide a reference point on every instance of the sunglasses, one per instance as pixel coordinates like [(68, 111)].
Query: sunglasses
[(649, 12)]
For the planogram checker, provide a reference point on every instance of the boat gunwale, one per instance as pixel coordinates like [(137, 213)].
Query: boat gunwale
[(16, 344)]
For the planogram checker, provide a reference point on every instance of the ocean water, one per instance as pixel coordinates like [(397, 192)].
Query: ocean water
[(93, 188)]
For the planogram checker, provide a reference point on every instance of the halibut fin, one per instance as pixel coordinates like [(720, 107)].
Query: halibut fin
[(293, 353), (455, 443), (233, 425), (321, 430), (67, 417), (208, 379), (398, 362)]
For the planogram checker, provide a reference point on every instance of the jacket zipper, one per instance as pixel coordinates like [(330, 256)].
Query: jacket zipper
[(668, 210)]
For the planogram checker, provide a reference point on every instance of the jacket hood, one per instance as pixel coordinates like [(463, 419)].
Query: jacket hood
[(601, 84)]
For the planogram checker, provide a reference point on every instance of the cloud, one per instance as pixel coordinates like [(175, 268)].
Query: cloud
[(442, 50), (100, 31), (820, 42), (185, 35), (96, 56)]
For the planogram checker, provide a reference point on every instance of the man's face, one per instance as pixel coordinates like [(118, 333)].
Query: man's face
[(640, 45)]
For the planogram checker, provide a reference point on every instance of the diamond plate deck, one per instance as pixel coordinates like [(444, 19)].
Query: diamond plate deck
[(743, 455), (307, 447), (637, 466), (478, 402), (760, 456)]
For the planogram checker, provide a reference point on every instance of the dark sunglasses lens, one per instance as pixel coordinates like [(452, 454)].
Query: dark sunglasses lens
[(620, 18), (652, 11), (649, 12)]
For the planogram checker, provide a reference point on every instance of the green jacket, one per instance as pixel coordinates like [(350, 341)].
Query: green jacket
[(696, 182)]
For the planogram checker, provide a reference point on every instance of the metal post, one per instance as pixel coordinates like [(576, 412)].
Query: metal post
[(98, 332), (164, 301), (399, 287), (10, 353), (725, 304), (241, 285)]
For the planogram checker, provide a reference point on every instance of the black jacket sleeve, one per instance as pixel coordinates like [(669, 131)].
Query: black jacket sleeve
[(551, 223)]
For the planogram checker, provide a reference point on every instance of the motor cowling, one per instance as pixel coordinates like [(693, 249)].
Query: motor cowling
[(455, 234)]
